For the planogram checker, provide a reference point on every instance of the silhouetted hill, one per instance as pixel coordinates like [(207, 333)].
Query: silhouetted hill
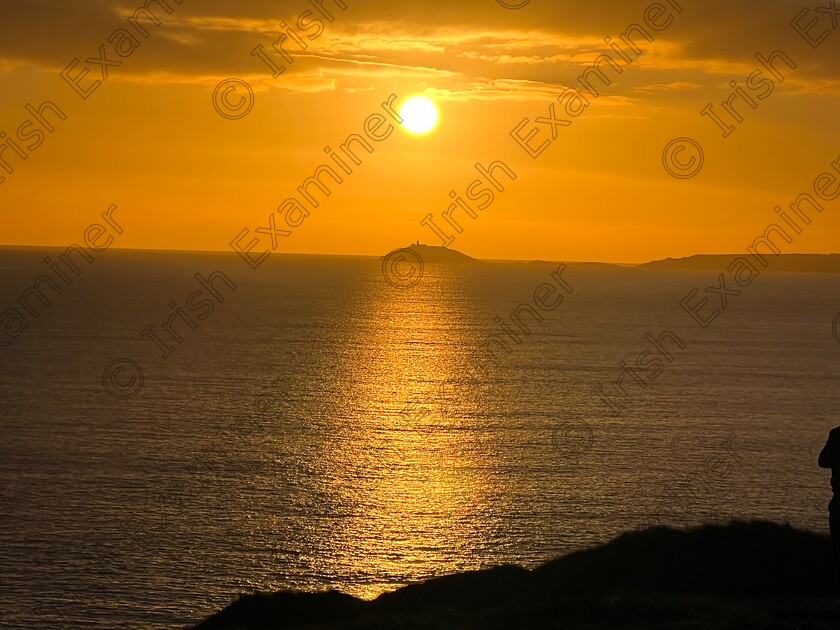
[(814, 263), (745, 575), (435, 254), (577, 265)]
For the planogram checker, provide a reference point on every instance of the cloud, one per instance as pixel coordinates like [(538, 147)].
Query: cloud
[(470, 49)]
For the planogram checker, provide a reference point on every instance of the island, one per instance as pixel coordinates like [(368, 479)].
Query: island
[(435, 254)]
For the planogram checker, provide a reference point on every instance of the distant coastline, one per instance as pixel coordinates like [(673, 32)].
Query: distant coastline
[(788, 263), (792, 263)]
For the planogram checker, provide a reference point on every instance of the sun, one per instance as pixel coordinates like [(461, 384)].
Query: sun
[(419, 114)]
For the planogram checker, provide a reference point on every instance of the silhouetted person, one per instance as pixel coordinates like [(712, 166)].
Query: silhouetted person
[(830, 458)]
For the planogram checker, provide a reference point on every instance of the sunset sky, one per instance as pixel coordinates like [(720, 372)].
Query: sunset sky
[(183, 177)]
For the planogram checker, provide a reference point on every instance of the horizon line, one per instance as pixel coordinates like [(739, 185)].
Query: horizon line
[(500, 260)]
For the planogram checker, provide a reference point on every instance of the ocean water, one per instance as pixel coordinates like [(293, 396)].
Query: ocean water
[(324, 429)]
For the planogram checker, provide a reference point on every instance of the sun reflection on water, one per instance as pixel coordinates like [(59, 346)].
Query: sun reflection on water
[(414, 491)]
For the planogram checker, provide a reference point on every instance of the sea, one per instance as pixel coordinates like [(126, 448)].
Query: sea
[(319, 422)]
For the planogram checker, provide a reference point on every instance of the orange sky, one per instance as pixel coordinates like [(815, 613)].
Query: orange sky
[(183, 177)]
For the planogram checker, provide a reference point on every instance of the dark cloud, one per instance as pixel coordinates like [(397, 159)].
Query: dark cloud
[(545, 42)]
